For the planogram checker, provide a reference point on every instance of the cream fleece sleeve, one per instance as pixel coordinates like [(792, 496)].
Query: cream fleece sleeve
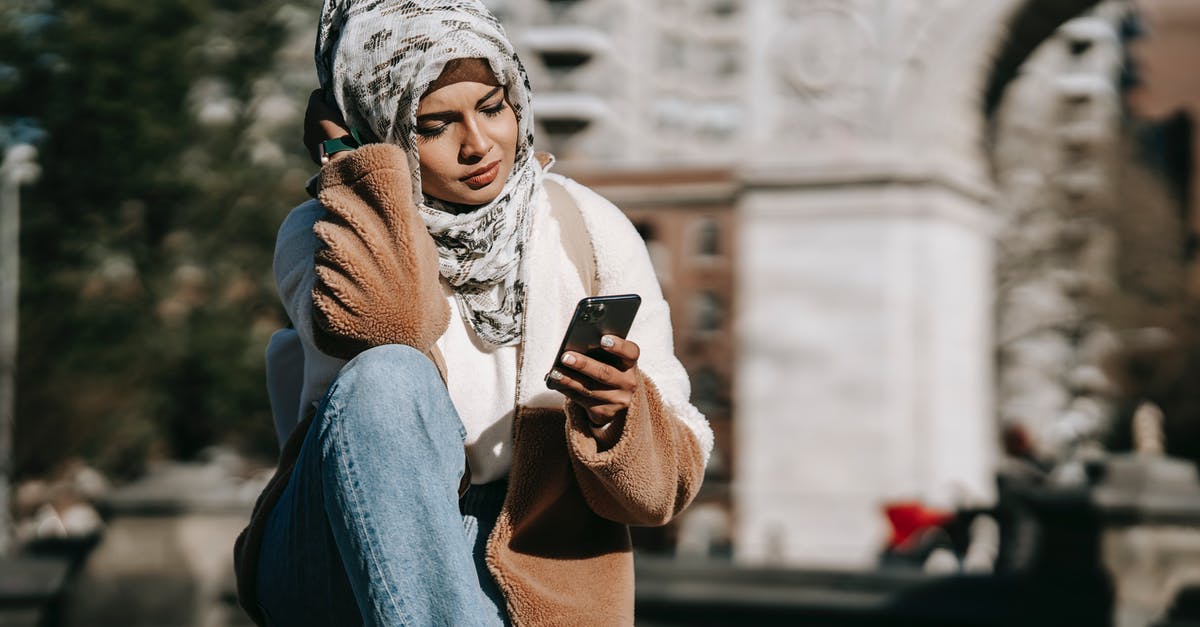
[(295, 246)]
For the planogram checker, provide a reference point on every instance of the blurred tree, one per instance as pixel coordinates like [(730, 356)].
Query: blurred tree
[(1158, 301), (146, 246)]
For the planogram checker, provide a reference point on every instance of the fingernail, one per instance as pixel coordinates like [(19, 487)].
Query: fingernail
[(568, 359), (556, 375), (607, 341)]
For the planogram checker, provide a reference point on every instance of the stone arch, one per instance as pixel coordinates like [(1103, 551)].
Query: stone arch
[(962, 58), (1033, 22), (917, 202)]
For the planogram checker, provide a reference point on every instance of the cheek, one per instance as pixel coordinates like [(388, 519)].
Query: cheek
[(432, 158), (509, 134)]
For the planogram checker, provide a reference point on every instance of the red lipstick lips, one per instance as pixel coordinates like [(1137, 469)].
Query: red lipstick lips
[(483, 176)]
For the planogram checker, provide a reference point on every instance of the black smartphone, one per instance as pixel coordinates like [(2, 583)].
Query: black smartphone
[(595, 317)]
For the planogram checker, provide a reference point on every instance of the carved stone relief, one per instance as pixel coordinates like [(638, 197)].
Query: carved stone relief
[(822, 56)]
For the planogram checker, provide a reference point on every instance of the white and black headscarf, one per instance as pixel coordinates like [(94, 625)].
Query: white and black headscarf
[(377, 58)]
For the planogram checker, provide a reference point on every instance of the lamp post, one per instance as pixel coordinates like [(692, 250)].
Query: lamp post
[(18, 168)]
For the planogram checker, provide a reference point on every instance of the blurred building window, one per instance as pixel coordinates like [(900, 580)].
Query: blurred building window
[(723, 8), (718, 120), (560, 62), (707, 391), (708, 238), (706, 308), (672, 53), (728, 61), (660, 257), (671, 114), (565, 125), (645, 230)]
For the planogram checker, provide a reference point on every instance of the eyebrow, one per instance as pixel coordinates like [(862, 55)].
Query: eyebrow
[(445, 115)]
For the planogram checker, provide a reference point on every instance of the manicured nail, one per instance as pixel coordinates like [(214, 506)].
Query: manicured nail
[(556, 375), (568, 359), (607, 341)]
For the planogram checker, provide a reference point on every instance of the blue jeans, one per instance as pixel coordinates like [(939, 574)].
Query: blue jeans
[(369, 530)]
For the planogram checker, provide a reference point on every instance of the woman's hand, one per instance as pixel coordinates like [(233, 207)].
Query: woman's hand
[(322, 122), (604, 391)]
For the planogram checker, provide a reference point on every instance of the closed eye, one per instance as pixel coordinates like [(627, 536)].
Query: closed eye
[(432, 125), (432, 131), (495, 109)]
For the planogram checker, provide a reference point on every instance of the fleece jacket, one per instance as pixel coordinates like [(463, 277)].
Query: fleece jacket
[(356, 268)]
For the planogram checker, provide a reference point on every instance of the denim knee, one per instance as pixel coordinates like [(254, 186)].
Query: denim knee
[(391, 363), (389, 381)]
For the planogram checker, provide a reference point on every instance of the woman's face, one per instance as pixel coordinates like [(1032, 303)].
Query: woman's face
[(466, 142)]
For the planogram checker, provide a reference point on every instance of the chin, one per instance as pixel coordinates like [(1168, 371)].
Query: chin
[(480, 196), (468, 197)]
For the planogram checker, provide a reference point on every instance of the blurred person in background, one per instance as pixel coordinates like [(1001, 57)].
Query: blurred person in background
[(430, 284)]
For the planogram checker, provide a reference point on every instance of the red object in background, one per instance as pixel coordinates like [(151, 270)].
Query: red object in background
[(908, 518)]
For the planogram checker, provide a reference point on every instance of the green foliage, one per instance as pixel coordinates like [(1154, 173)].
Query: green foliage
[(146, 294)]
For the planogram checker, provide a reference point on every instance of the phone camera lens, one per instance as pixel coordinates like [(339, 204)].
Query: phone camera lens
[(593, 312)]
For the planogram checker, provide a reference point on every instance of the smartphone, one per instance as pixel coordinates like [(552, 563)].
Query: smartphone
[(595, 317)]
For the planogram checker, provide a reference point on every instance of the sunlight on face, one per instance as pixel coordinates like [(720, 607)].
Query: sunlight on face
[(467, 141)]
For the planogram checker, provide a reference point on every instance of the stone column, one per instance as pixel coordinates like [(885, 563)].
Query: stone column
[(865, 289)]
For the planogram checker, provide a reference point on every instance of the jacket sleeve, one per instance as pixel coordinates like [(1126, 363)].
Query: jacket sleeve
[(365, 273), (644, 468)]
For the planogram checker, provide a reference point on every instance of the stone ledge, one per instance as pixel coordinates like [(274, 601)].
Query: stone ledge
[(27, 580), (864, 176), (29, 588), (678, 592), (181, 488)]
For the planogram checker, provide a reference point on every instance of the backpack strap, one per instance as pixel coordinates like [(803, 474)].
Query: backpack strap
[(567, 213)]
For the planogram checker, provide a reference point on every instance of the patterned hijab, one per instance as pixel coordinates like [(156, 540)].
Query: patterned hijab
[(377, 58)]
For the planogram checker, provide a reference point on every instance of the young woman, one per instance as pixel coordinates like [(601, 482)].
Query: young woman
[(431, 283)]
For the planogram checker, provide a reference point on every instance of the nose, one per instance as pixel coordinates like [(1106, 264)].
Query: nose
[(475, 144)]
